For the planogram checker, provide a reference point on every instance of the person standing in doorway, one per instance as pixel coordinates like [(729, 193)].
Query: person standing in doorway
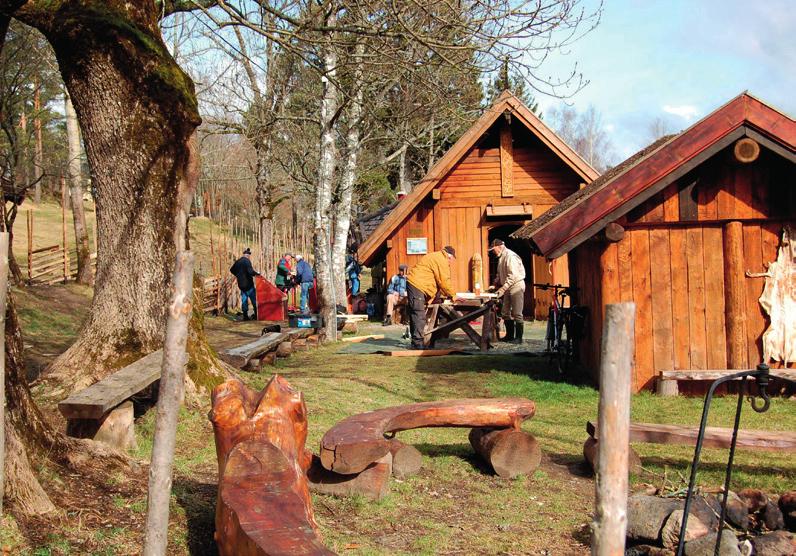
[(510, 286), (306, 279), (396, 293), (428, 278), (244, 273)]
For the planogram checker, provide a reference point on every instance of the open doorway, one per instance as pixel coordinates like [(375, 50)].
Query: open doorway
[(522, 248)]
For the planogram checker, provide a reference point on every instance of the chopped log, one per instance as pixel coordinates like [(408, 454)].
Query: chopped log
[(667, 387), (356, 442), (510, 452), (253, 365), (406, 459), (264, 504), (299, 344), (746, 150), (298, 333), (590, 455), (358, 339), (787, 505), (269, 359), (715, 437), (372, 482), (115, 428), (284, 349), (350, 327), (239, 356), (314, 340)]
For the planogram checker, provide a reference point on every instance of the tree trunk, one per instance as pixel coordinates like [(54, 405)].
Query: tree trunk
[(38, 152), (84, 272), (138, 112), (323, 194), (342, 221)]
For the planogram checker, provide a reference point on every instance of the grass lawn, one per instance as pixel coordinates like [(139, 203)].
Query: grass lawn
[(455, 505)]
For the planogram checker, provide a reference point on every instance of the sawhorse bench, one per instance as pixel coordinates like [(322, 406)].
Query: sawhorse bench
[(103, 411)]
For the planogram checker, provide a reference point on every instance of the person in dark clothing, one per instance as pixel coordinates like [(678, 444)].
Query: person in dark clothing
[(285, 273), (306, 278), (244, 273)]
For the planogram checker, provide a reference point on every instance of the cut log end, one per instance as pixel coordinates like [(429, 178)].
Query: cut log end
[(614, 232), (510, 452), (746, 150), (406, 459)]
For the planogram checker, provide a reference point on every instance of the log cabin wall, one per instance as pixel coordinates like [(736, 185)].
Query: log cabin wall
[(456, 213), (682, 261)]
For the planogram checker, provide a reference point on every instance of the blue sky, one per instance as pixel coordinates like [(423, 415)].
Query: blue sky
[(680, 60)]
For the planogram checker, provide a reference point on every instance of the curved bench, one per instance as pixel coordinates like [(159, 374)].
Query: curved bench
[(358, 441), (264, 505)]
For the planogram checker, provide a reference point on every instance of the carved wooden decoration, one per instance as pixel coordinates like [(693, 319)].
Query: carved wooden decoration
[(264, 505), (779, 302)]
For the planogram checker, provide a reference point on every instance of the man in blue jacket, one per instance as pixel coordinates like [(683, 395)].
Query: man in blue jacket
[(396, 293), (306, 278), (244, 273)]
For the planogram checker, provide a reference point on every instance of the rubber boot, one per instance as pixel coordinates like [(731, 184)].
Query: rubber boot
[(518, 326), (387, 321), (509, 331)]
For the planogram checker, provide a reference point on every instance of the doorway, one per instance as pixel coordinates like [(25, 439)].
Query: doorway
[(523, 249)]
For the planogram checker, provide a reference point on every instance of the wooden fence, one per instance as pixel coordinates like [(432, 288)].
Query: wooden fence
[(52, 264)]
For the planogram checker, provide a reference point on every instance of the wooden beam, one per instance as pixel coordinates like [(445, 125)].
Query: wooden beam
[(419, 352), (734, 295), (715, 437), (239, 356), (789, 374), (746, 150), (436, 194), (614, 232), (506, 162), (358, 339), (689, 209)]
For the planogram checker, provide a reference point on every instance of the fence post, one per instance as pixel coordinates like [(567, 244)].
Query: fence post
[(30, 245), (170, 398), (616, 358), (3, 293)]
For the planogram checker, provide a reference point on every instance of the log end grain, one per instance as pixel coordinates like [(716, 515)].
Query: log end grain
[(406, 460), (510, 452)]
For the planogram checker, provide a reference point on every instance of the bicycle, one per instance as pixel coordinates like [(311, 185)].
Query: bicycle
[(565, 326)]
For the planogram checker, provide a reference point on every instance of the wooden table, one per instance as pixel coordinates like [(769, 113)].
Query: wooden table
[(444, 318)]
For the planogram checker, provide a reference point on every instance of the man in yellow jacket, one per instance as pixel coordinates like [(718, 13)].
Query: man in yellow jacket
[(428, 277)]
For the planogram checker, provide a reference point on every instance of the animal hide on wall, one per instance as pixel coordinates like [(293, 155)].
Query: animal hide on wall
[(779, 302)]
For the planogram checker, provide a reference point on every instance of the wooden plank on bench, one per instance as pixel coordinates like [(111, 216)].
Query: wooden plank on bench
[(99, 398), (715, 437), (239, 356), (789, 374)]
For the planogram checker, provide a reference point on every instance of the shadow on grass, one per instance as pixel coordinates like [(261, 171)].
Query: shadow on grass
[(198, 500)]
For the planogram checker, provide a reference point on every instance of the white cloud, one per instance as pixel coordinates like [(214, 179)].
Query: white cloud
[(610, 128), (685, 111)]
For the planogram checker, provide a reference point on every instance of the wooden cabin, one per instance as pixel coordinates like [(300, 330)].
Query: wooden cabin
[(674, 229), (506, 170)]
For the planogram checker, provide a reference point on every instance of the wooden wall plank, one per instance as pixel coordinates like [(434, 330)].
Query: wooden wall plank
[(756, 321), (679, 288), (506, 161), (734, 295), (713, 260), (697, 328), (644, 361), (671, 203), (661, 286), (625, 263)]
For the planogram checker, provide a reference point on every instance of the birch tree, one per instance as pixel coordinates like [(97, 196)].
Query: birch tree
[(85, 274)]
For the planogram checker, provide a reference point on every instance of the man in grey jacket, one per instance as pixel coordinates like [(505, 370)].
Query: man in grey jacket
[(510, 286)]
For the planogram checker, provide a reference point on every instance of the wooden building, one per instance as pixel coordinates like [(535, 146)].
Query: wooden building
[(507, 169), (675, 228)]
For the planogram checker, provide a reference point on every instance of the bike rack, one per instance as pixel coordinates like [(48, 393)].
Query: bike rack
[(762, 378)]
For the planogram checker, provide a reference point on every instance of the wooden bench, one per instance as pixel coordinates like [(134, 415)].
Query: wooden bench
[(667, 380), (715, 437), (103, 411)]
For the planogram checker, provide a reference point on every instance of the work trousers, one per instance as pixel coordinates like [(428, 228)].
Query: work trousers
[(417, 314), (305, 297), (513, 301), (245, 296)]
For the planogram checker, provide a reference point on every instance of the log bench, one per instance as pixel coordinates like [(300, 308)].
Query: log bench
[(715, 437), (103, 411), (667, 380), (359, 441)]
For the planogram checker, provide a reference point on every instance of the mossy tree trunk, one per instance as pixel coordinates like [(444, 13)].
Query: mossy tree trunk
[(138, 113)]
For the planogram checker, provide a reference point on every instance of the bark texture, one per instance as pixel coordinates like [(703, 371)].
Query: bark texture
[(138, 113)]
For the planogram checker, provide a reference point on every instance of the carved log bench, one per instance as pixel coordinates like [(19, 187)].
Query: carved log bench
[(264, 505), (359, 441), (103, 411)]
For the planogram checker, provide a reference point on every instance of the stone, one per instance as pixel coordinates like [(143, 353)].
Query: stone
[(648, 550), (708, 510), (705, 546), (670, 533), (778, 543), (755, 499), (646, 516), (772, 517), (737, 512)]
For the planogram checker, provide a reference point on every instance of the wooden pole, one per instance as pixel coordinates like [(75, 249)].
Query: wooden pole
[(735, 295), (30, 246), (616, 359), (3, 293), (170, 398)]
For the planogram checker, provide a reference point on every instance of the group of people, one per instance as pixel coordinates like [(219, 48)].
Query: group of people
[(294, 271), (430, 279)]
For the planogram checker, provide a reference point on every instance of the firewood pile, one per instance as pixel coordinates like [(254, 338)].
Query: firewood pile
[(756, 523)]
